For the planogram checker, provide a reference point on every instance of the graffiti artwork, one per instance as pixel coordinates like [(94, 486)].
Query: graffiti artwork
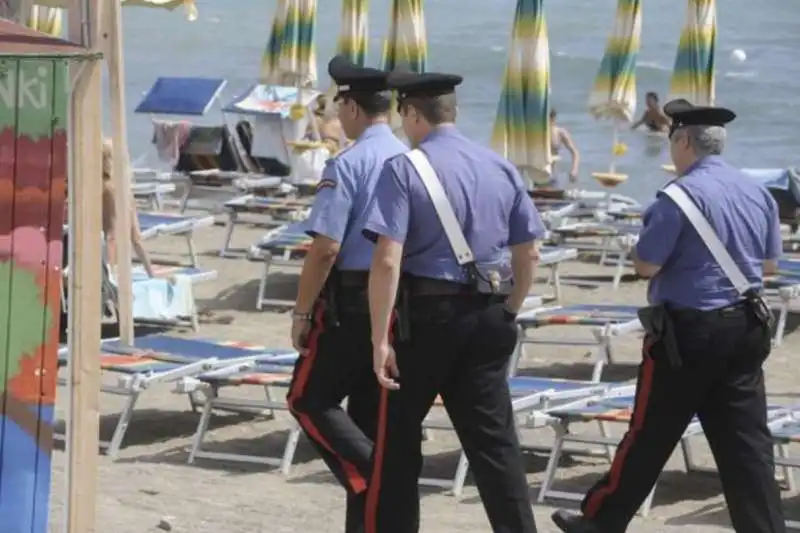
[(33, 169)]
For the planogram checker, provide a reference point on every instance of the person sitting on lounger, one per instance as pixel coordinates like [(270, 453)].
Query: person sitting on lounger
[(653, 117), (110, 218)]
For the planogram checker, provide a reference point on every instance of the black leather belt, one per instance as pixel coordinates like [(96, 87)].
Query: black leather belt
[(691, 314), (437, 287)]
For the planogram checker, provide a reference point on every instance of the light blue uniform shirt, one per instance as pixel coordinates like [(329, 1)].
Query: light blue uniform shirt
[(741, 211), (487, 194), (345, 192)]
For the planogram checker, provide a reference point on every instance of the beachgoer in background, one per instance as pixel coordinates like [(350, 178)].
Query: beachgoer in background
[(560, 137), (328, 124), (653, 117), (110, 218)]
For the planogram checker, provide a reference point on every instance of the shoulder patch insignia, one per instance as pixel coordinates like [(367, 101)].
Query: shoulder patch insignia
[(325, 184)]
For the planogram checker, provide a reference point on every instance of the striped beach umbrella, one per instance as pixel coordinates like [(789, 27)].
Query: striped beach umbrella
[(46, 20), (354, 32), (693, 75), (406, 46), (613, 95), (614, 92), (290, 58), (521, 131)]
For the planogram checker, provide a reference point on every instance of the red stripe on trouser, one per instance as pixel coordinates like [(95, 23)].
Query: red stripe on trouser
[(356, 481), (374, 489), (637, 419)]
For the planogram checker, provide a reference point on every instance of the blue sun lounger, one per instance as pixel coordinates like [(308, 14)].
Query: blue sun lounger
[(784, 433), (158, 224), (528, 395), (615, 407), (160, 359), (782, 292), (606, 322)]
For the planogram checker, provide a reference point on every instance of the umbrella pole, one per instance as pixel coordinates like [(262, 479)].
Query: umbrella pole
[(121, 171)]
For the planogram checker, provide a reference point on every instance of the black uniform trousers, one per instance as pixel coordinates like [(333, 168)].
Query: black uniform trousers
[(720, 380), (338, 365), (458, 347)]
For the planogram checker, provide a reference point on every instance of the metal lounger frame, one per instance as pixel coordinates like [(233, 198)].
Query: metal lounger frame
[(601, 346), (132, 386)]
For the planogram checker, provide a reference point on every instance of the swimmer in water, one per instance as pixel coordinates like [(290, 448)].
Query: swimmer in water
[(653, 117), (560, 137)]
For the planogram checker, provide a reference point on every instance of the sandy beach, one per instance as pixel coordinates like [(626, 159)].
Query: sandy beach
[(151, 481)]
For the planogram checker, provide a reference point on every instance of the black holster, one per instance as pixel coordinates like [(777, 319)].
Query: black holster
[(657, 322)]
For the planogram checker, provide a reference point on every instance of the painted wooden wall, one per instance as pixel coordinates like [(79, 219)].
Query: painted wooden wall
[(33, 169)]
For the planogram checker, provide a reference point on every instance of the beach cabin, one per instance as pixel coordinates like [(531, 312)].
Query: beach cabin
[(34, 101)]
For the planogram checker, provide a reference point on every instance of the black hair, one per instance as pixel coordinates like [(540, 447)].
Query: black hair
[(652, 95)]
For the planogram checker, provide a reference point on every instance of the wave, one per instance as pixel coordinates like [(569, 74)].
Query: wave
[(740, 74), (651, 65)]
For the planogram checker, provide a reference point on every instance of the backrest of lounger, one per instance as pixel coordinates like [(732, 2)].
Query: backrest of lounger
[(207, 148), (267, 165)]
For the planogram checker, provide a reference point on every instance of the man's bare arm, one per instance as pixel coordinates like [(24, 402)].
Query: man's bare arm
[(384, 277), (317, 266), (524, 258), (770, 267)]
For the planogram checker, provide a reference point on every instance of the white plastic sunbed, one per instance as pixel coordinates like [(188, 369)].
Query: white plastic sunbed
[(615, 407), (159, 359), (528, 395), (606, 322)]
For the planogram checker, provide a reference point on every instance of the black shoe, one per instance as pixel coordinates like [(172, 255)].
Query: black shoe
[(573, 523)]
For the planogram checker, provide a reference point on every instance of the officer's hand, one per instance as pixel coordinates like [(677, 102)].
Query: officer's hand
[(385, 365), (573, 176), (300, 329)]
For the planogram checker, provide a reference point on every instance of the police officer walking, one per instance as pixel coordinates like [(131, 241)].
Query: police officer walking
[(330, 323), (706, 244), (444, 217)]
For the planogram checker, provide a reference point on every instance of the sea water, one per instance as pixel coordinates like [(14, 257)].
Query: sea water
[(471, 38)]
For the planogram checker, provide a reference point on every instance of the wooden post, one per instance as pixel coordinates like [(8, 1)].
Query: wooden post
[(85, 186), (112, 49)]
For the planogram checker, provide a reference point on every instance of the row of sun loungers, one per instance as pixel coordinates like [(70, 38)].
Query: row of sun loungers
[(211, 367)]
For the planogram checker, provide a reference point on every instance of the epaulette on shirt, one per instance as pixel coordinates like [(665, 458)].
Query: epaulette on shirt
[(323, 183)]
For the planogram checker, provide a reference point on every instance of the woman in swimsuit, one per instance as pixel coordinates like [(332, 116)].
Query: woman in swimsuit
[(653, 118), (110, 218), (560, 137)]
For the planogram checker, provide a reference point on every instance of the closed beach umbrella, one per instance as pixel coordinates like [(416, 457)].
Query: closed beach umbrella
[(354, 32), (614, 93), (693, 75), (521, 131), (406, 46), (290, 58), (46, 20)]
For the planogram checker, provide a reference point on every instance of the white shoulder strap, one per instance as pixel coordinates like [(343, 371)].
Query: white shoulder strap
[(709, 236), (442, 205)]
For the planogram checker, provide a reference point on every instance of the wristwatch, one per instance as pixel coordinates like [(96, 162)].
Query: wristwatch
[(304, 317)]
